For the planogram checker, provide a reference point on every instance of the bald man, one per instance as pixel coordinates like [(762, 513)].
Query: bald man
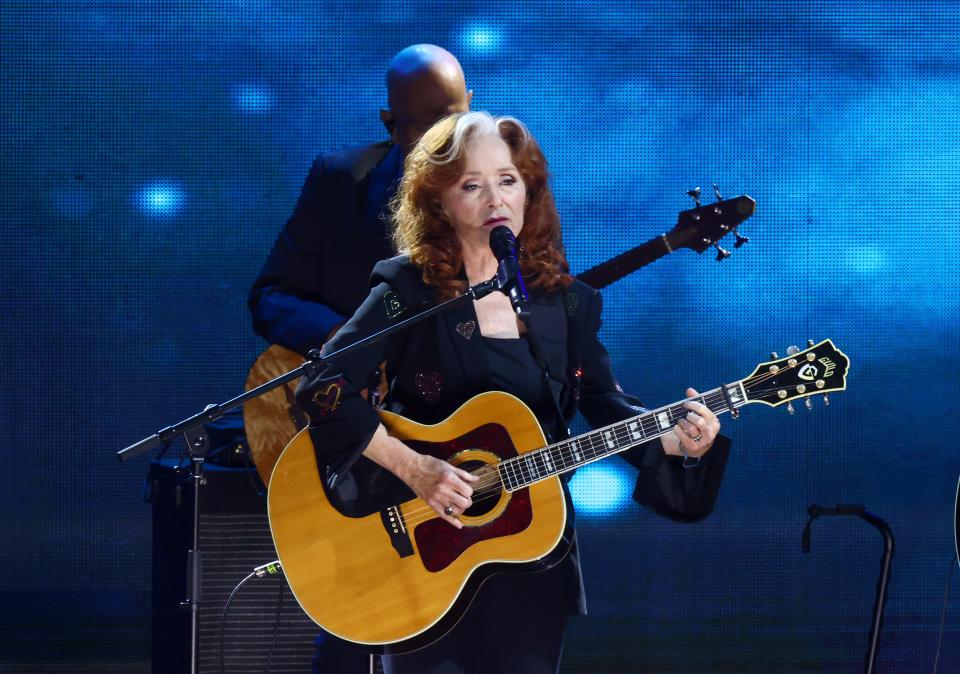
[(318, 271)]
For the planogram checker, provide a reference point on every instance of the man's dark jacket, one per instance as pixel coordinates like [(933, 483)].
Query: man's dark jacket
[(319, 269)]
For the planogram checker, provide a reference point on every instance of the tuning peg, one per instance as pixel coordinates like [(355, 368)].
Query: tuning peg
[(790, 409), (826, 399), (722, 253), (773, 355), (695, 195), (716, 192), (809, 343), (808, 403), (741, 239), (792, 350)]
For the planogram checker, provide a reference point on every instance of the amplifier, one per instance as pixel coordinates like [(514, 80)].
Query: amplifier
[(265, 630)]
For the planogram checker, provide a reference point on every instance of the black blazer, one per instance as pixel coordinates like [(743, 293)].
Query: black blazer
[(318, 270), (437, 365)]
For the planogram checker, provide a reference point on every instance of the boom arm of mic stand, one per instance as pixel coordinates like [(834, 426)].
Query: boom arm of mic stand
[(314, 360)]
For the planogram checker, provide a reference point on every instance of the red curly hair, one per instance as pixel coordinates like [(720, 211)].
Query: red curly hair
[(436, 163)]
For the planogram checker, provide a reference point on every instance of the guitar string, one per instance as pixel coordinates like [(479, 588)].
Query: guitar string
[(493, 488)]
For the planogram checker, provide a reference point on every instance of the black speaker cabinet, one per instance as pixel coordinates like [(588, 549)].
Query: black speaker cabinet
[(265, 630)]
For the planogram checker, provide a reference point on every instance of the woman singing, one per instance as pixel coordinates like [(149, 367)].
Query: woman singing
[(470, 173)]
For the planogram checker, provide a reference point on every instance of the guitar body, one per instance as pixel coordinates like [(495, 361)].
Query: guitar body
[(400, 578), (399, 584), (272, 419)]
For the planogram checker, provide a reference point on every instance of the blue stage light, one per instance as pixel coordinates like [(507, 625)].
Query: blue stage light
[(254, 98), (601, 488), (161, 198), (481, 39), (866, 259)]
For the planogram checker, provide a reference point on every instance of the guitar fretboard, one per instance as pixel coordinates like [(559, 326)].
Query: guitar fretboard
[(561, 457)]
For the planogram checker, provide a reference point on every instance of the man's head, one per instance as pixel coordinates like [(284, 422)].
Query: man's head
[(424, 83)]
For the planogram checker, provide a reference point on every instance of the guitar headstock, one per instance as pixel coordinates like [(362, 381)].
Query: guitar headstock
[(819, 369), (703, 226)]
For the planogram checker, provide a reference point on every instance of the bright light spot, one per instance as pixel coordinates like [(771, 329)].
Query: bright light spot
[(253, 98), (865, 260), (601, 488), (161, 198), (481, 39)]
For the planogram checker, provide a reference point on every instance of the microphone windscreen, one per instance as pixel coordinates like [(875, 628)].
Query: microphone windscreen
[(503, 243)]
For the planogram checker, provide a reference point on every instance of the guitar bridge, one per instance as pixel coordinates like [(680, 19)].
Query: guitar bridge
[(396, 529)]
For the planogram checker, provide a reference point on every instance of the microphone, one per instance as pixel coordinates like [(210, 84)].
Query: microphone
[(509, 279)]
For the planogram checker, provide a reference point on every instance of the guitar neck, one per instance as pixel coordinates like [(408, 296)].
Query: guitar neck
[(562, 457), (626, 263)]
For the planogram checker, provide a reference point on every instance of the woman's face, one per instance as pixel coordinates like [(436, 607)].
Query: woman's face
[(489, 193)]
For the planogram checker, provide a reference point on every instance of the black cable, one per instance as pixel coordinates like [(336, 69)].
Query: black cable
[(276, 628), (223, 616), (943, 613)]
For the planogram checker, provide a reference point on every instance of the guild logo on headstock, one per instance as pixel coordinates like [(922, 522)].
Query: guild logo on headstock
[(829, 365), (808, 372)]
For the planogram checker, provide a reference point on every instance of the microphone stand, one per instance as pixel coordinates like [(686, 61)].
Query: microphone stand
[(196, 441), (876, 624)]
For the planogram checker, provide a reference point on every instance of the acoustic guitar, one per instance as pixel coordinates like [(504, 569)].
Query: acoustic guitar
[(273, 419), (402, 577)]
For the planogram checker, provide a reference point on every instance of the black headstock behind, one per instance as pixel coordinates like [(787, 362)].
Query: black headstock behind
[(697, 229), (703, 226)]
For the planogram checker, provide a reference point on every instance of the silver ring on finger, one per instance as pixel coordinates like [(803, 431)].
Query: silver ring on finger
[(448, 511), (698, 437)]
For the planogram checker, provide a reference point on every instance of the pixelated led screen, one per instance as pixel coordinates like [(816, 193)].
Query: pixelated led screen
[(153, 150)]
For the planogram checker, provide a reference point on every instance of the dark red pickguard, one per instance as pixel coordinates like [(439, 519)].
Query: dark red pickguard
[(439, 542)]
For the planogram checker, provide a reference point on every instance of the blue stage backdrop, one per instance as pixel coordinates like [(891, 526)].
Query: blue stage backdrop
[(152, 151)]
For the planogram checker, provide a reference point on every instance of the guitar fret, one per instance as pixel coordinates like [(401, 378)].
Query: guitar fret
[(518, 472), (531, 465), (558, 457), (596, 446), (544, 467), (501, 468), (548, 463), (571, 453), (512, 472)]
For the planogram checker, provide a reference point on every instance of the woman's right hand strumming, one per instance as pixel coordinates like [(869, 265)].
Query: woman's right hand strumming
[(444, 487)]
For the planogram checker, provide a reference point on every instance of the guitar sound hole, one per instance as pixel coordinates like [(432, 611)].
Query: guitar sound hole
[(482, 502)]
